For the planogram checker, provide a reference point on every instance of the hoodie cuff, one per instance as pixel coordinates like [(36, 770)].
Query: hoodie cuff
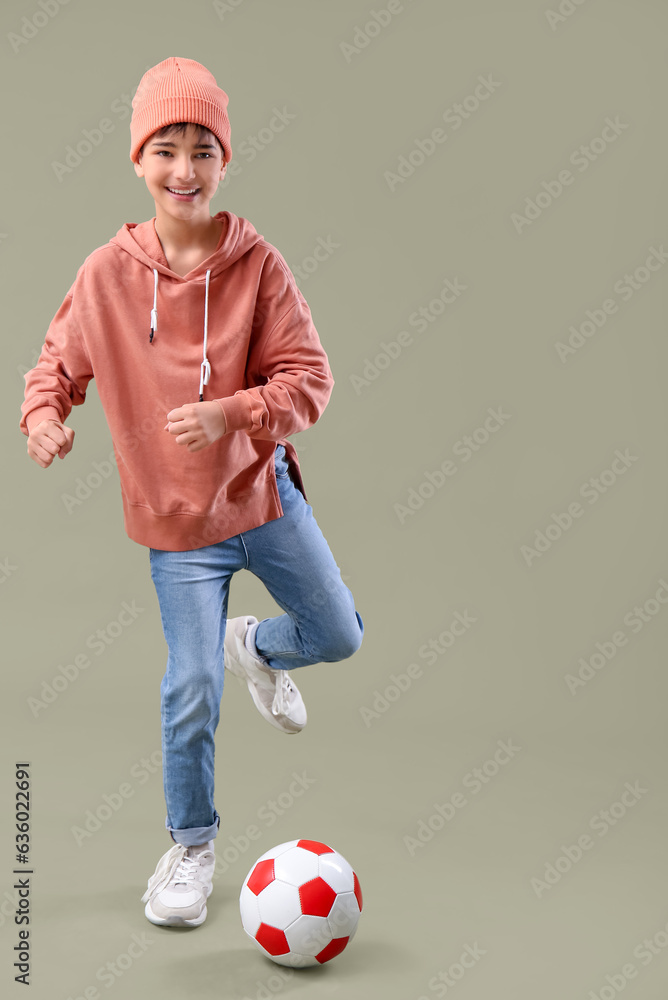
[(37, 415), (237, 412)]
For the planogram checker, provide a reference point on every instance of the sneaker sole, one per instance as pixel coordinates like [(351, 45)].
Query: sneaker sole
[(174, 921)]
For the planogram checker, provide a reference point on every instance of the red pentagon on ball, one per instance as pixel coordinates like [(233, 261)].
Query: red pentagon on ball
[(316, 897), (263, 874), (357, 889), (315, 846), (334, 948), (273, 940)]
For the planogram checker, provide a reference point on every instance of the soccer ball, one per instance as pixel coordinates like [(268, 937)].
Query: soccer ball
[(300, 903)]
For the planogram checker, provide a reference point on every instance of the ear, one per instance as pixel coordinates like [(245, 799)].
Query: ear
[(139, 170)]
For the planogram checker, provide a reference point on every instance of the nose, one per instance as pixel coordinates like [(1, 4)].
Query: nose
[(183, 168)]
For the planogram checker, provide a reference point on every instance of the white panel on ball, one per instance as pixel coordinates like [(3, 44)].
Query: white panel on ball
[(296, 866), (250, 913), (308, 935), (344, 915), (279, 904), (293, 959), (336, 872)]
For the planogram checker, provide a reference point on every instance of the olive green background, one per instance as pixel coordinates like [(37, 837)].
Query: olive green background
[(497, 875)]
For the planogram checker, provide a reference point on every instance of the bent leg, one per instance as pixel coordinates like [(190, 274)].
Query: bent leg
[(290, 555)]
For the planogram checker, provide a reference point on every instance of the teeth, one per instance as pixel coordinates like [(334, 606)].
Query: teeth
[(176, 191)]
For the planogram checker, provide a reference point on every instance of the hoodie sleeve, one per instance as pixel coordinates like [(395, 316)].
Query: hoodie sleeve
[(63, 370), (290, 381)]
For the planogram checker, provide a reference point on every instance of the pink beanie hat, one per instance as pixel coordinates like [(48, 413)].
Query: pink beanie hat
[(178, 90)]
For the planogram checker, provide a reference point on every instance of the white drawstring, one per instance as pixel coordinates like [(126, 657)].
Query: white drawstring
[(205, 372), (154, 310), (205, 369)]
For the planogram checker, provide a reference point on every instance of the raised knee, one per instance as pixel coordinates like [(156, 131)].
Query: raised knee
[(345, 643)]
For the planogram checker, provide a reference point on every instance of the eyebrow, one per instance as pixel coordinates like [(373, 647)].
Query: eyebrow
[(200, 145)]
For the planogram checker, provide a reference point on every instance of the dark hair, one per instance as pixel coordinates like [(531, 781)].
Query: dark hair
[(180, 128)]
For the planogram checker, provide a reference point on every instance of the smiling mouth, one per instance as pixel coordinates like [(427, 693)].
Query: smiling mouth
[(187, 192)]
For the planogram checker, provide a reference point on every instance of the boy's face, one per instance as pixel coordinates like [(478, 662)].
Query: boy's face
[(181, 163)]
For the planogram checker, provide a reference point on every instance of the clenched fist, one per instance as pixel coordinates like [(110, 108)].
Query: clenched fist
[(196, 425), (48, 439)]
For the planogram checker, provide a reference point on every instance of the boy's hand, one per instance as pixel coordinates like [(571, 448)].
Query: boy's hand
[(196, 425), (48, 439)]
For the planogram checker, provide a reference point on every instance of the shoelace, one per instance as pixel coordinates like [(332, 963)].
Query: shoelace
[(283, 696), (177, 865)]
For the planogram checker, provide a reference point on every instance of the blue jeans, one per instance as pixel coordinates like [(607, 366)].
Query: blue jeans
[(292, 558)]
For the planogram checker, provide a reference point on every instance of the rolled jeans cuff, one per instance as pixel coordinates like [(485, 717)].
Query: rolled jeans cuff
[(194, 835)]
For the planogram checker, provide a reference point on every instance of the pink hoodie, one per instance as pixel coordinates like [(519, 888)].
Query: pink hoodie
[(146, 334)]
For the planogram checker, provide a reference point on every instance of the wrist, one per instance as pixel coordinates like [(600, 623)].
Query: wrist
[(39, 415), (218, 417)]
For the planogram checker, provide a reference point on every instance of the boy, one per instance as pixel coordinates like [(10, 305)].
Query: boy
[(206, 358)]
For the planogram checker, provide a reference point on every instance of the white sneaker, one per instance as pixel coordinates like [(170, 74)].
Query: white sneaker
[(178, 890), (275, 694)]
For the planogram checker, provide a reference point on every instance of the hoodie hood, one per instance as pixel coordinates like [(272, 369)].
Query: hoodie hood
[(141, 241)]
